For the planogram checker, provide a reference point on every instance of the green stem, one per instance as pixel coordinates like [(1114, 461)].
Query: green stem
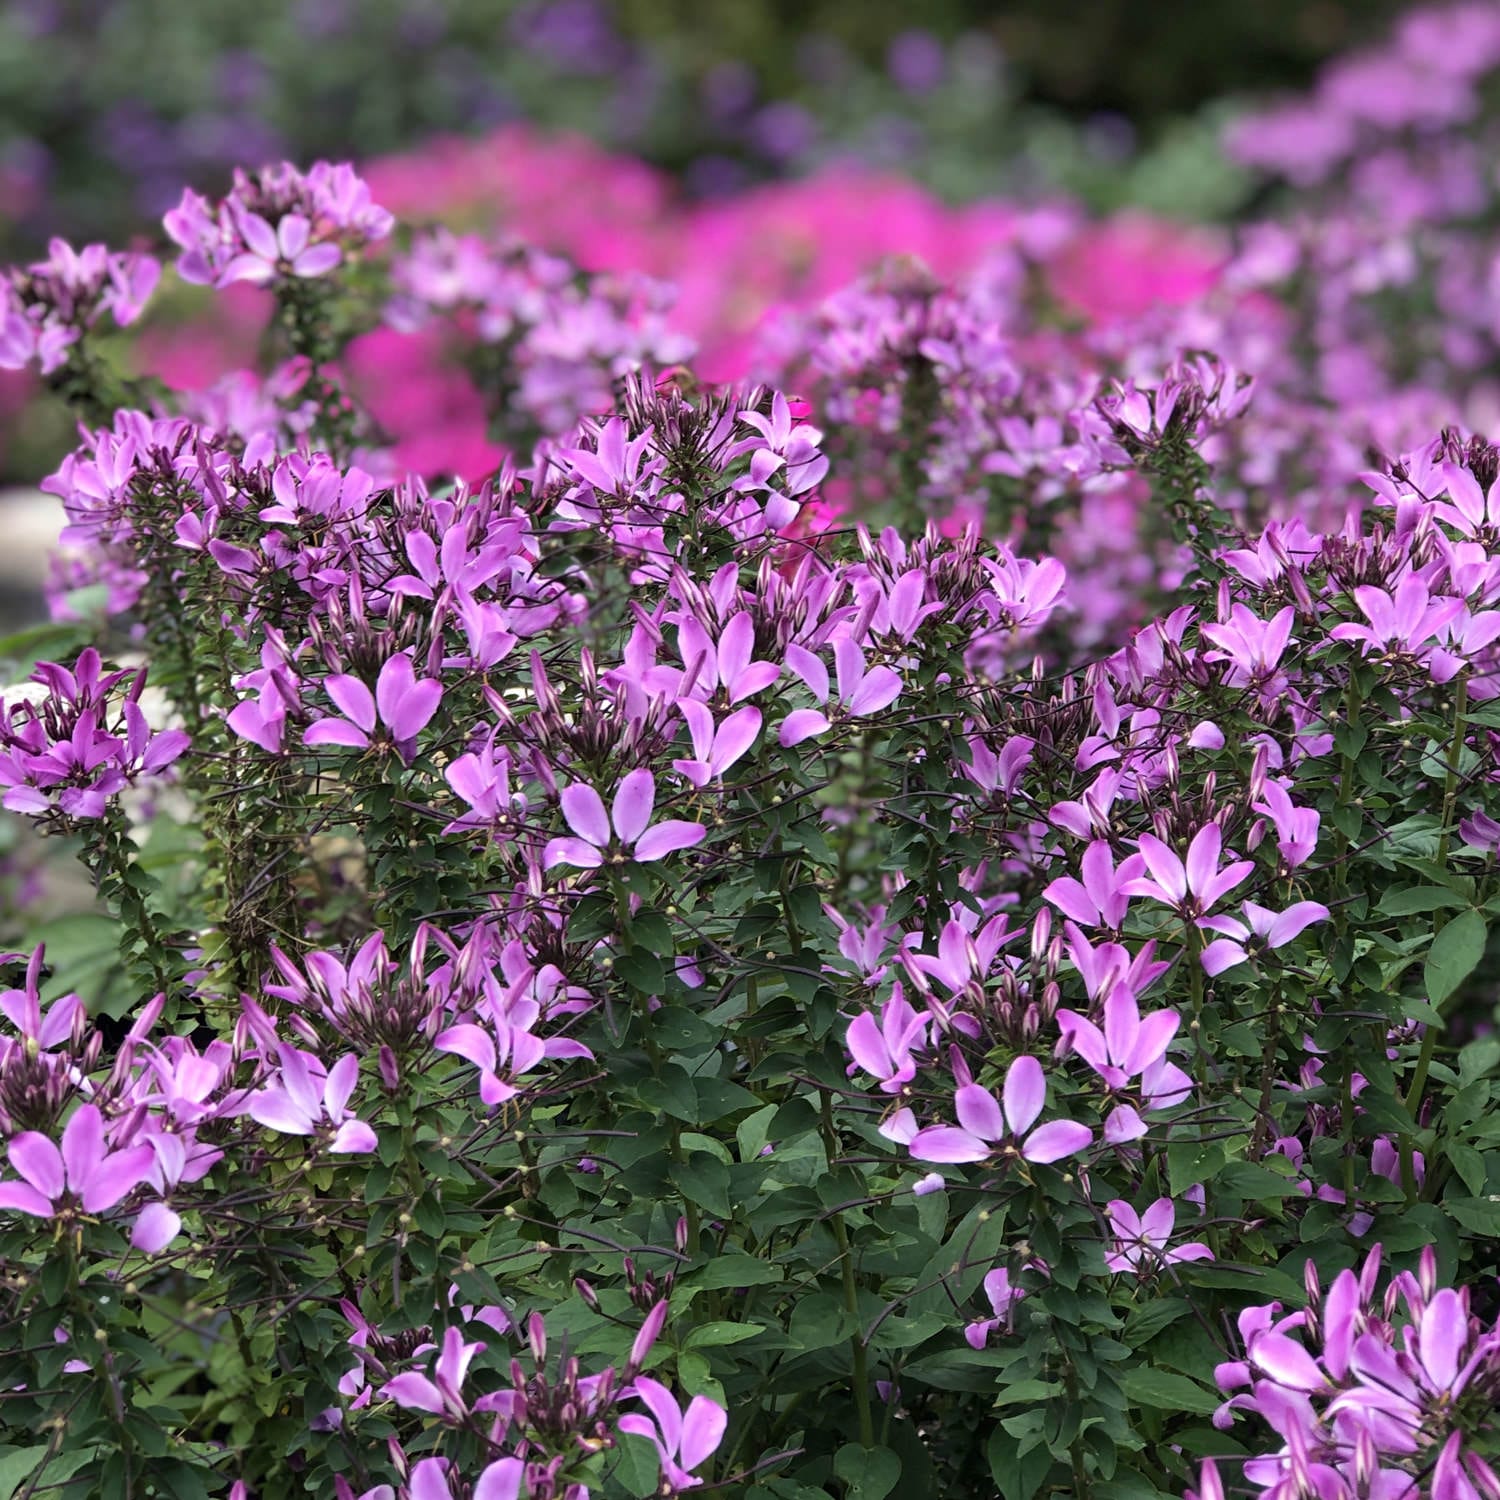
[(861, 1373)]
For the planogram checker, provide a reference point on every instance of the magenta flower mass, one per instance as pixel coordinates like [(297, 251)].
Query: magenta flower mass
[(716, 867)]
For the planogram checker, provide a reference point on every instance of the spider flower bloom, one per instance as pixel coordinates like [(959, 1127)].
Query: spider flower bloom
[(403, 705), (1141, 1239), (84, 1170), (1261, 928), (986, 1127), (635, 799), (683, 1439), (1191, 888), (307, 1101)]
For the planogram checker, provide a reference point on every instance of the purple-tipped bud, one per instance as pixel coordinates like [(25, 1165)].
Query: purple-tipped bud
[(650, 1330), (390, 1072), (589, 1295), (536, 1336)]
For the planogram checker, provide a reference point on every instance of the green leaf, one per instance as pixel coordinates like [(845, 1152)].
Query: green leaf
[(17, 1465), (1168, 1392), (1018, 1475), (1477, 1215), (732, 1268), (703, 1180), (714, 1335), (1478, 1059), (677, 1029), (1417, 898), (1469, 1165), (1147, 1320), (869, 1473), (1454, 954), (642, 970)]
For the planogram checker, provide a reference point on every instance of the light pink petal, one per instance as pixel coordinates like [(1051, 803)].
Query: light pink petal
[(469, 1041), (317, 261), (574, 852), (811, 668), (947, 1143), (758, 676), (736, 646), (501, 1480), (979, 1113), (342, 1077), (40, 1162), (83, 1146), (667, 838), (1165, 867), (119, 1173), (1223, 953), (1203, 857), (735, 736), (880, 688), (25, 1199), (354, 1136), (1055, 1140), (799, 725), (1151, 1040), (867, 1047), (415, 1392), (353, 699), (1294, 920), (1286, 1362), (635, 798), (1443, 1333), (156, 1226), (703, 1427), (1025, 1093), (273, 1108), (1123, 1125), (1158, 1221), (663, 1406), (584, 810), (335, 732)]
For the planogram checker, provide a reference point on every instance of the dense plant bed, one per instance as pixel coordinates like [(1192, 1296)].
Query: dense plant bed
[(897, 941)]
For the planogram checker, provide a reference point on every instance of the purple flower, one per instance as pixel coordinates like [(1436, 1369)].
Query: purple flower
[(985, 1127), (683, 1439), (1141, 1239), (309, 1101), (403, 704), (884, 1051), (1261, 928), (84, 1171), (442, 1394), (635, 799), (1192, 888), (715, 747)]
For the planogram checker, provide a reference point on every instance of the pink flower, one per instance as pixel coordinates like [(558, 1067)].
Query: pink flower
[(84, 1171), (1101, 898), (270, 254), (884, 1051), (683, 1439), (985, 1125), (308, 1101), (1141, 1239), (635, 799), (1260, 929), (1192, 888), (402, 704), (716, 747)]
